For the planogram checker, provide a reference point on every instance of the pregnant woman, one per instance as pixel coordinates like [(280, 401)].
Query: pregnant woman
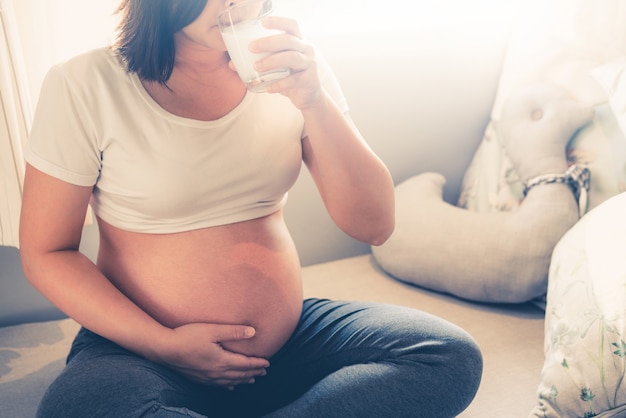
[(194, 306)]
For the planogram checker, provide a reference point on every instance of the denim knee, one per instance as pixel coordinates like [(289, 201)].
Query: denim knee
[(93, 389), (440, 358), (102, 381), (456, 371), (465, 363)]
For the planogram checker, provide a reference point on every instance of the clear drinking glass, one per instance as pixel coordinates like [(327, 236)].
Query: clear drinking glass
[(239, 25)]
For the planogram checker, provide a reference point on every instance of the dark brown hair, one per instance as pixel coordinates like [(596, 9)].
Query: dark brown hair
[(145, 37)]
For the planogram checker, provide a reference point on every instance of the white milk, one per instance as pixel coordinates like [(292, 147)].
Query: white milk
[(237, 39)]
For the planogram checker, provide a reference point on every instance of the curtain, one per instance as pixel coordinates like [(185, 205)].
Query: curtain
[(15, 117), (35, 34)]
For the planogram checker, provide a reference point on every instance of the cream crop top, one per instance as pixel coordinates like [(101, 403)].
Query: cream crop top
[(152, 171)]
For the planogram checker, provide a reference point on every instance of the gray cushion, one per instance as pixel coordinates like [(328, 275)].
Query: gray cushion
[(31, 356)]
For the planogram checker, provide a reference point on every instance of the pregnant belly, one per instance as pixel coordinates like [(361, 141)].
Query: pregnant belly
[(243, 274)]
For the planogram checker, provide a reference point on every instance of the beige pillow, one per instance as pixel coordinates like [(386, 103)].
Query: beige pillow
[(495, 256)]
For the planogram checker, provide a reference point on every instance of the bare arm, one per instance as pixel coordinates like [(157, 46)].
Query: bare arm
[(50, 230), (355, 185)]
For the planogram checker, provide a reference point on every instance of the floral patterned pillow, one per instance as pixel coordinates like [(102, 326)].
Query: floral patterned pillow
[(585, 341)]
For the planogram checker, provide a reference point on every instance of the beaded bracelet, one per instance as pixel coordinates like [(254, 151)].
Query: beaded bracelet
[(577, 178)]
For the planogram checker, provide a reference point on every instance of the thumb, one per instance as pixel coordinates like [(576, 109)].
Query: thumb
[(233, 333)]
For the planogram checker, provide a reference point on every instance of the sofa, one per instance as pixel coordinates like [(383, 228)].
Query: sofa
[(423, 101)]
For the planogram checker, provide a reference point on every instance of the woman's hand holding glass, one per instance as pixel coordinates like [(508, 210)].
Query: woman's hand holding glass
[(289, 50)]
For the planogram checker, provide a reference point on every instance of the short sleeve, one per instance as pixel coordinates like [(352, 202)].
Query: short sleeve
[(330, 83), (63, 141)]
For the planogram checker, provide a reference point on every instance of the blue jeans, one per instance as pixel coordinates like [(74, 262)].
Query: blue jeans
[(345, 359)]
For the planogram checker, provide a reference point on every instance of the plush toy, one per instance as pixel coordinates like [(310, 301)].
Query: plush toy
[(499, 257)]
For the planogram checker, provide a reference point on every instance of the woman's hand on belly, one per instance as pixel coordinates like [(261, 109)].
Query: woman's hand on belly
[(196, 352)]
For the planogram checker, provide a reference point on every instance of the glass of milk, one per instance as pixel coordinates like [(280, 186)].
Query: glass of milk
[(239, 25)]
